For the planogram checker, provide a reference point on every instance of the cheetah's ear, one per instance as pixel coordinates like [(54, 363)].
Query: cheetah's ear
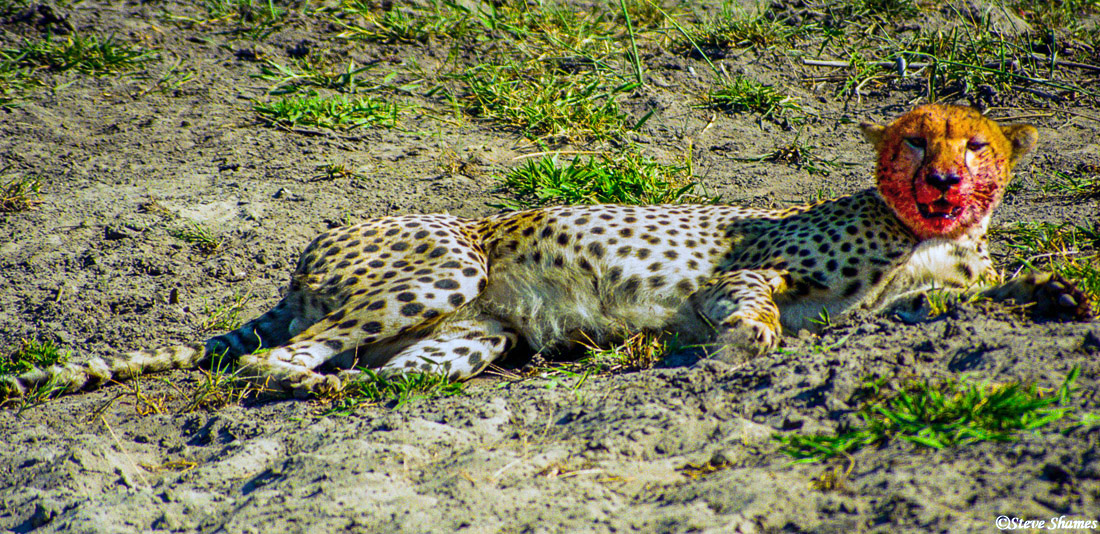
[(1023, 138), (872, 132)]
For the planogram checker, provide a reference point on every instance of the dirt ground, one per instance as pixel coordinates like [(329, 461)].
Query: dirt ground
[(98, 269)]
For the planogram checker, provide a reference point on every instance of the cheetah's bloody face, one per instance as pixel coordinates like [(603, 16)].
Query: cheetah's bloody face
[(944, 168)]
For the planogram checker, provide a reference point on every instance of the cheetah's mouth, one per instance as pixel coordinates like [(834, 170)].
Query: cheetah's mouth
[(940, 209)]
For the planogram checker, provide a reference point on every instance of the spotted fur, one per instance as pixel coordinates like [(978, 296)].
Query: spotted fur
[(450, 295)]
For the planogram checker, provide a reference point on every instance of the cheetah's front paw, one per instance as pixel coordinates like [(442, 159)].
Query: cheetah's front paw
[(743, 339), (1049, 294)]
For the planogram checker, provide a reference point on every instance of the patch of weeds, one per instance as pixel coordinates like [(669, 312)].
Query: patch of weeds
[(747, 95), (735, 27), (715, 464), (85, 54), (33, 354), (144, 404), (1083, 184), (402, 24), (642, 13), (222, 385), (171, 80), (941, 301), (639, 351), (312, 71), (15, 81), (338, 112), (20, 194), (29, 356), (824, 319), (1032, 239), (971, 58), (1060, 14), (371, 388), (800, 155), (968, 59), (11, 7), (883, 8), (939, 414), (333, 171), (545, 105), (1015, 187), (623, 179), (199, 237), (835, 479), (224, 317), (860, 73), (255, 19), (977, 60)]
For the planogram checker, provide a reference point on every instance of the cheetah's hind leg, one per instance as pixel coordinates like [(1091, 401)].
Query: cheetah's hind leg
[(369, 326), (459, 349), (740, 307)]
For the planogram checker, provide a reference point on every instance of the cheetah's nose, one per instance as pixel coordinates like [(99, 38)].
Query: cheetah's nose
[(942, 181)]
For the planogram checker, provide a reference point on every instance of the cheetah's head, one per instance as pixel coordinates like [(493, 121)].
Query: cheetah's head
[(943, 169)]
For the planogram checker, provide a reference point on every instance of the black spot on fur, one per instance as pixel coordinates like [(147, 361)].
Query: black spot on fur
[(446, 284), (412, 309)]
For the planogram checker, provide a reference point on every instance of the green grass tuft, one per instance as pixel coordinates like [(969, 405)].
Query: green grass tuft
[(20, 194), (224, 317), (33, 354), (938, 415), (85, 54), (547, 105), (747, 95), (1081, 185), (198, 236), (372, 388), (1030, 239), (735, 27), (623, 179), (313, 71), (15, 81), (338, 112), (640, 351), (254, 19), (404, 24)]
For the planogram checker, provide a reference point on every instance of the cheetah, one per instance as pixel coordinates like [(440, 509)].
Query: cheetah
[(443, 294)]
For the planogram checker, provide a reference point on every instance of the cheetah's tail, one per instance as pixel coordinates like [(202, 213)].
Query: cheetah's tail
[(74, 377), (271, 328)]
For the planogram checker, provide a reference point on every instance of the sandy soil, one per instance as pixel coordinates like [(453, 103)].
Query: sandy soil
[(97, 269)]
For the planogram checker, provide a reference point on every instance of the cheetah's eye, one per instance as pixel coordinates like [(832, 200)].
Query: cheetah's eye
[(975, 145), (915, 142)]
